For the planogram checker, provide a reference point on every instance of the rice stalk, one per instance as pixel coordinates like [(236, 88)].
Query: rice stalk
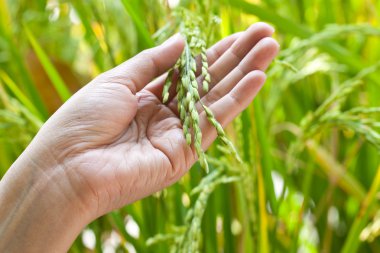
[(369, 205), (329, 114), (191, 240), (330, 32), (372, 230), (188, 238), (187, 86)]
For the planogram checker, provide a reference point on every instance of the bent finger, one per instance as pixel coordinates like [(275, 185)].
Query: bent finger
[(213, 54), (231, 105), (257, 59)]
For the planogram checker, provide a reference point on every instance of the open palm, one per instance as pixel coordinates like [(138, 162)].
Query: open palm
[(122, 143)]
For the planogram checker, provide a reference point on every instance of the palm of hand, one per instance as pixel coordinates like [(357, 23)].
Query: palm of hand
[(125, 145), (128, 138)]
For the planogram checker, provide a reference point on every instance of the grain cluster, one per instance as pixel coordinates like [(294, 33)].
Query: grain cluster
[(188, 84)]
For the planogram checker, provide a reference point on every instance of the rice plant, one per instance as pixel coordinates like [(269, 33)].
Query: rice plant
[(187, 85), (307, 177)]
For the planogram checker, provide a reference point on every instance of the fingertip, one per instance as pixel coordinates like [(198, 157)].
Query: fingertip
[(255, 80), (254, 34), (257, 75), (234, 102), (262, 26), (262, 54), (273, 44), (270, 42), (177, 41), (248, 87), (180, 40)]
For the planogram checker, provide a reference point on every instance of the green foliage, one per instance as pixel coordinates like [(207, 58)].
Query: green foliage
[(309, 143)]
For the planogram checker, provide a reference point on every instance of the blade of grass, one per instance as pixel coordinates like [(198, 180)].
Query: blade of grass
[(335, 171), (17, 60), (108, 48), (144, 35), (367, 207), (77, 246), (19, 94), (53, 74), (5, 19), (282, 23), (210, 243), (264, 149), (341, 54), (6, 158), (90, 36), (263, 242), (96, 227), (229, 241)]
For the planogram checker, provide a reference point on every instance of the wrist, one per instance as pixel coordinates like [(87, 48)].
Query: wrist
[(40, 209)]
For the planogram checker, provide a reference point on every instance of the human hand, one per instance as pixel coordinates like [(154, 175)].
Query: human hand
[(115, 142)]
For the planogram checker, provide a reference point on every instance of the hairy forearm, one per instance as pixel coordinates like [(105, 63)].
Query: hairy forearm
[(37, 213)]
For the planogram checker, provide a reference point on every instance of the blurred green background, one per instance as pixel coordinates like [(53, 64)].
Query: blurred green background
[(310, 141)]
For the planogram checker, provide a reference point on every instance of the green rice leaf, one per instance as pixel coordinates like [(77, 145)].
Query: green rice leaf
[(51, 71)]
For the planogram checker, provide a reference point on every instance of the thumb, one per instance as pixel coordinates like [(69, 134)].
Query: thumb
[(137, 72)]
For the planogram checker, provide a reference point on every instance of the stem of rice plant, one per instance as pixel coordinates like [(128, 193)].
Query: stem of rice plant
[(187, 87)]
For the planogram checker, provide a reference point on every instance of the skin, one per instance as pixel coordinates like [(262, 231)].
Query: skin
[(114, 142)]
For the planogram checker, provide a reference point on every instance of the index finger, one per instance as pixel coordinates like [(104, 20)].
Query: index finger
[(213, 54)]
